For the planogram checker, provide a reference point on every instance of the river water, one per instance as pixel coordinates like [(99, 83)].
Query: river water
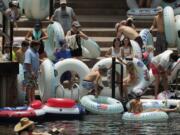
[(106, 125)]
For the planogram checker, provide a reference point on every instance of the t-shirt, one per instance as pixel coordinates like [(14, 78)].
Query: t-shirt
[(32, 57), (64, 17), (162, 59)]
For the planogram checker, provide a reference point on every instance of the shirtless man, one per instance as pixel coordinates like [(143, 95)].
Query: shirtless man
[(136, 107), (128, 32), (161, 44), (91, 82)]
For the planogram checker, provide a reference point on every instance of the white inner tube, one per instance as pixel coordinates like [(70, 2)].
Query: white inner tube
[(133, 3), (136, 49), (146, 37), (169, 26), (101, 104), (47, 81), (89, 47), (142, 73), (76, 66), (55, 34), (145, 116), (21, 92), (36, 9)]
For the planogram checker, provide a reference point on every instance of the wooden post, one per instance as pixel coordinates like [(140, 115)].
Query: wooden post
[(8, 83), (113, 76)]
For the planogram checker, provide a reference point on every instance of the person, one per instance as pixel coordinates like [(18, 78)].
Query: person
[(131, 78), (39, 35), (160, 44), (26, 127), (75, 30), (136, 106), (129, 32), (126, 49), (145, 3), (20, 53), (129, 22), (161, 66), (12, 12), (31, 68), (63, 53), (64, 15), (115, 50), (92, 81)]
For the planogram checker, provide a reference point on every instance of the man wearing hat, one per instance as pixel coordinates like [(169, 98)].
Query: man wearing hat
[(26, 127), (64, 15), (31, 68), (161, 44), (75, 30)]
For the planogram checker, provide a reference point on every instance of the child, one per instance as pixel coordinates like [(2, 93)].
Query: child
[(136, 106), (92, 81), (63, 53), (131, 79)]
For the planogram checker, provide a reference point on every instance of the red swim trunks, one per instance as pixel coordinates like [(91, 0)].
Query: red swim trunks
[(154, 69)]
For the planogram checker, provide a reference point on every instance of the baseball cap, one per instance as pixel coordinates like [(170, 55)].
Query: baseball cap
[(76, 24), (63, 2), (159, 9)]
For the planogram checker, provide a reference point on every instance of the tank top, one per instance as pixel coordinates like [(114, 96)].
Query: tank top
[(114, 53)]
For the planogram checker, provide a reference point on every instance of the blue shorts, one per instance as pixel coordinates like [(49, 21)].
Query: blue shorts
[(88, 85)]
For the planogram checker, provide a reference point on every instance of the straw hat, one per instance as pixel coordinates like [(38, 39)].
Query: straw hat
[(24, 123)]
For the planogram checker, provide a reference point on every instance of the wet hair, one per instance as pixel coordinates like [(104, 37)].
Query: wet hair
[(25, 43), (38, 23), (116, 39), (130, 66), (174, 56)]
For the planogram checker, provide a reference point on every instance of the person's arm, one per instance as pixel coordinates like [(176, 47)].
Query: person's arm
[(45, 36), (131, 106), (97, 82), (68, 33), (153, 24), (141, 107), (28, 35), (108, 53), (84, 36), (74, 18)]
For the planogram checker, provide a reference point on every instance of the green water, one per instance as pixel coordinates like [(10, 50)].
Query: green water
[(106, 125)]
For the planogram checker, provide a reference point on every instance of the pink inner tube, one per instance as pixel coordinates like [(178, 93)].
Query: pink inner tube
[(36, 104)]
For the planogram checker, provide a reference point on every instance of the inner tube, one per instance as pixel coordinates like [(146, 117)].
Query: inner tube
[(101, 104), (21, 93), (169, 26), (89, 47), (36, 9), (133, 3), (177, 17), (61, 102), (76, 66), (145, 116), (146, 37), (142, 72), (55, 34), (142, 13), (47, 81)]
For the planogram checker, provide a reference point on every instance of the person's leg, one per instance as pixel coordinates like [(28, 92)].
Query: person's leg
[(148, 3), (28, 90), (141, 3), (157, 81), (165, 81), (32, 96)]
